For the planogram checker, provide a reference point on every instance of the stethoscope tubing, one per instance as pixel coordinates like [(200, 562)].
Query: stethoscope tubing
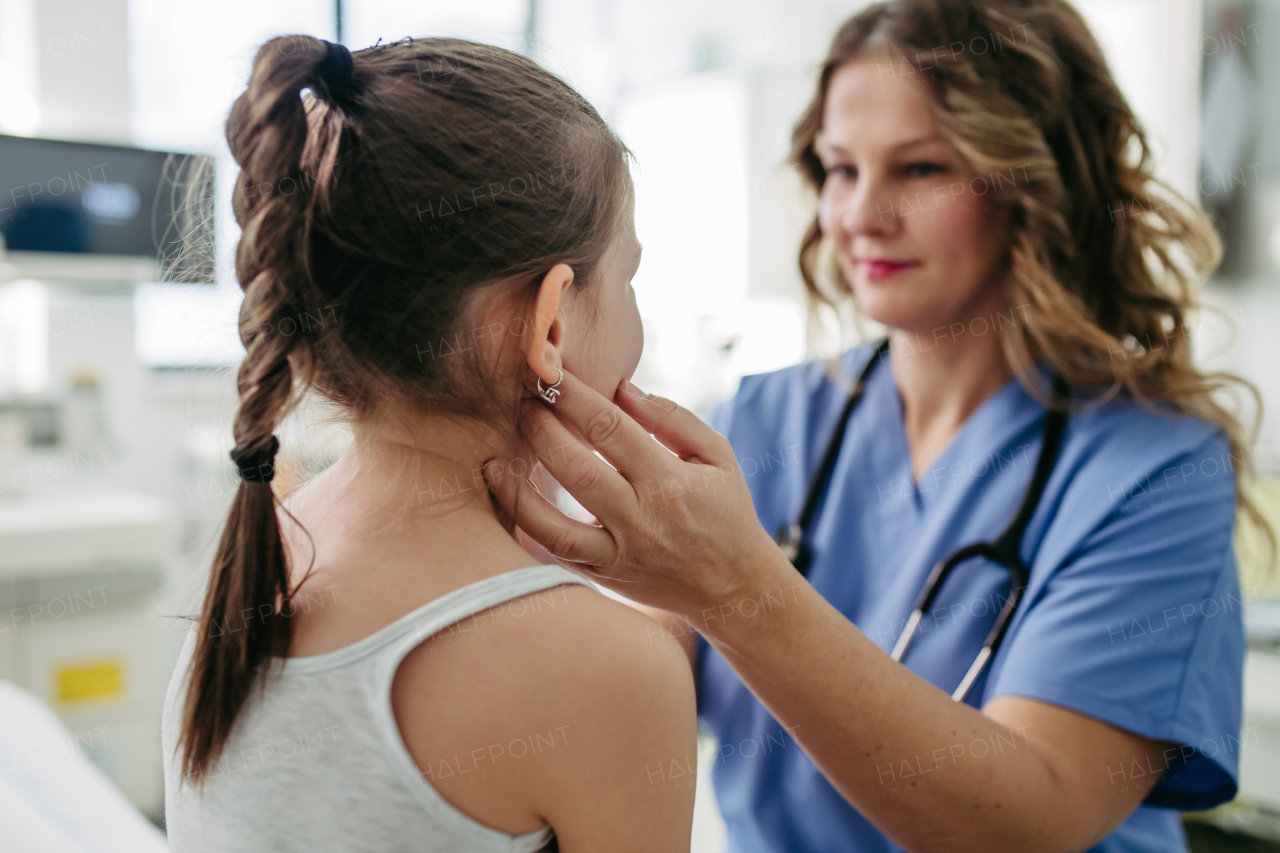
[(1004, 551)]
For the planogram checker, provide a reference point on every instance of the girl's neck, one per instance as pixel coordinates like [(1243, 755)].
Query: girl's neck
[(409, 474), (396, 522)]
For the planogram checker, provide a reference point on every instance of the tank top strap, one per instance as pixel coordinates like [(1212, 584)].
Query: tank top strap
[(436, 615), (462, 604)]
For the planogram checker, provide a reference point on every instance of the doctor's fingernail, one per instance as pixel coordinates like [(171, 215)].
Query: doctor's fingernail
[(663, 403), (628, 387)]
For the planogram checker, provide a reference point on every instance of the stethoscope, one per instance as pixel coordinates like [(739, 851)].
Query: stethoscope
[(1003, 551)]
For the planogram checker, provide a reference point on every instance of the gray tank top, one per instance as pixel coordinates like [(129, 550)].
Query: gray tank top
[(315, 761)]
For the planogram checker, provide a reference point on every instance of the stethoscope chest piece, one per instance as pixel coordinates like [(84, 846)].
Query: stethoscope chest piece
[(790, 539)]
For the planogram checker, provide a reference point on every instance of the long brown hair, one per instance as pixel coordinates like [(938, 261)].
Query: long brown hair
[(371, 210), (1103, 257)]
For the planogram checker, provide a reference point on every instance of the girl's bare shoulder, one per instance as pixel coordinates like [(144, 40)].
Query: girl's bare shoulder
[(546, 699)]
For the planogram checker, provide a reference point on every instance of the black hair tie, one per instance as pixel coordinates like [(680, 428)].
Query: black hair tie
[(336, 76), (257, 464)]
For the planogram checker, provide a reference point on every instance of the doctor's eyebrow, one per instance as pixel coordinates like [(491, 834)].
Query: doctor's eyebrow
[(822, 146)]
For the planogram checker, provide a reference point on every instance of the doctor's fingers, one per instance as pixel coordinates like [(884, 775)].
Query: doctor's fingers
[(604, 492), (580, 546), (626, 444), (680, 430)]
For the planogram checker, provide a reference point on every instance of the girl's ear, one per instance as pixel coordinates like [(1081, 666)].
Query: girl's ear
[(548, 326)]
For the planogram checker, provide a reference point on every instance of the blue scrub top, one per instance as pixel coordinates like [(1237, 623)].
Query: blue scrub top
[(1132, 614)]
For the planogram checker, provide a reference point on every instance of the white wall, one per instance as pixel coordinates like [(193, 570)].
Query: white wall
[(1153, 48)]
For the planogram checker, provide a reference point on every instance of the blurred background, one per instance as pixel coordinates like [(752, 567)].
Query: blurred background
[(117, 365)]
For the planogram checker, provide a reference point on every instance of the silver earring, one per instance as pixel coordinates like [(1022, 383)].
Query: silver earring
[(550, 394)]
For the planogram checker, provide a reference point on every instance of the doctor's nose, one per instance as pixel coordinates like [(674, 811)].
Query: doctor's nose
[(866, 211)]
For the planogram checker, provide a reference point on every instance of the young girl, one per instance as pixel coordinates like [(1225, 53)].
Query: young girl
[(430, 230)]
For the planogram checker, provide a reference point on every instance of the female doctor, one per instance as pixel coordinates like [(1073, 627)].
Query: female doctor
[(986, 194)]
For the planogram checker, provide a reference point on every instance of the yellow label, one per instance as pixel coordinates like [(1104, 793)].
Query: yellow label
[(96, 680)]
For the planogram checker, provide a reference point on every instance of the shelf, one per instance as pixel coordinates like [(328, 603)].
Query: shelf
[(80, 270)]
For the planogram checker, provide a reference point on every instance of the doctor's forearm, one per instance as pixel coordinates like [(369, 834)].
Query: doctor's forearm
[(887, 739)]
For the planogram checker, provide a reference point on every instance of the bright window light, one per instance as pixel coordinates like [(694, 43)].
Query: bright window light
[(702, 331), (24, 337), (186, 325), (499, 22)]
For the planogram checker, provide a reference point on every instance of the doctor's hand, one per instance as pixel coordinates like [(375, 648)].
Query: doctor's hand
[(676, 526)]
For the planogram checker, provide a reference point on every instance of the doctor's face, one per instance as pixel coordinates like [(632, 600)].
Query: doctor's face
[(917, 234)]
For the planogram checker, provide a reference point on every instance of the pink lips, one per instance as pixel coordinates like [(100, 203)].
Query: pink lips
[(876, 269)]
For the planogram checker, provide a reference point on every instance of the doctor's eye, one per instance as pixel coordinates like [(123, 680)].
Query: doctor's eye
[(923, 169)]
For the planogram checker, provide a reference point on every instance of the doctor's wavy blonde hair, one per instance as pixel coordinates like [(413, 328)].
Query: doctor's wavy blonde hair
[(1103, 255)]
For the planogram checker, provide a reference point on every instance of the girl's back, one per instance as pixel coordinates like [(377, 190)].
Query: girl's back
[(378, 664), (475, 722)]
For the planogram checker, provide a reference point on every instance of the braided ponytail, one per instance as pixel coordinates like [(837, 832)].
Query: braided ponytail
[(245, 620)]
